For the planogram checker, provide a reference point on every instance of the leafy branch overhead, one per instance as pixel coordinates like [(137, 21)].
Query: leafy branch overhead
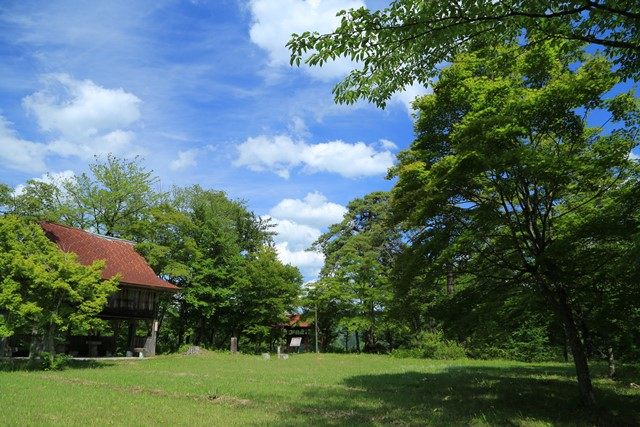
[(410, 41)]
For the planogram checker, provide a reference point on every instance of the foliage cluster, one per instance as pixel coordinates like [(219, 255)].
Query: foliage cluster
[(431, 345)]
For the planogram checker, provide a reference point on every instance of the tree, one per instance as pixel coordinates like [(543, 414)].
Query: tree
[(410, 40), (114, 200), (219, 253), (358, 257), (47, 201), (268, 292), (117, 200), (44, 289), (503, 150)]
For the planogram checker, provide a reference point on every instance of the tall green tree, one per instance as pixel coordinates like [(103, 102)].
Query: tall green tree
[(268, 292), (44, 290), (504, 150), (409, 40), (215, 249), (359, 255), (116, 199)]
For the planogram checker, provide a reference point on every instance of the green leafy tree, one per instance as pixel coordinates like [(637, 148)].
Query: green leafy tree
[(358, 257), (268, 292), (213, 247), (116, 200), (47, 201), (409, 40), (503, 150), (44, 290)]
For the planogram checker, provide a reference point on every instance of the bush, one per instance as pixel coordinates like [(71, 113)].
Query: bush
[(432, 345), (49, 362)]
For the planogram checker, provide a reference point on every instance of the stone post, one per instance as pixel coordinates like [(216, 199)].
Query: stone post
[(150, 342)]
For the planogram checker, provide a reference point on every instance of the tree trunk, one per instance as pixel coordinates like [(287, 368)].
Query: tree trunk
[(34, 347), (131, 333), (49, 340), (357, 341), (558, 299), (451, 281), (346, 340), (587, 396)]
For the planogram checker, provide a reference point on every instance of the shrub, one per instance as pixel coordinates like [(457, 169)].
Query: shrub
[(432, 345), (49, 362)]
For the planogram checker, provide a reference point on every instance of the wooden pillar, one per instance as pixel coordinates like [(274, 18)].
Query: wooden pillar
[(131, 334)]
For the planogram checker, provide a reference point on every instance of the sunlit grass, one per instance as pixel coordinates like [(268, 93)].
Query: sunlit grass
[(222, 389)]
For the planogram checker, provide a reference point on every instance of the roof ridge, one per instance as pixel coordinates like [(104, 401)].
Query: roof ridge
[(88, 232)]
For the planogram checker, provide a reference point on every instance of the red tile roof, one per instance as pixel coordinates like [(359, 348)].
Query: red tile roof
[(120, 255), (295, 322)]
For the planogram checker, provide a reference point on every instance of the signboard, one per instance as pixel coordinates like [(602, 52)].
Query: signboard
[(295, 342)]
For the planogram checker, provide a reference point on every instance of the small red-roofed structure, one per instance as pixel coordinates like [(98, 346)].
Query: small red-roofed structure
[(297, 328), (135, 301)]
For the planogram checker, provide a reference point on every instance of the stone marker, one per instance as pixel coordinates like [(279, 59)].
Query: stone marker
[(234, 345)]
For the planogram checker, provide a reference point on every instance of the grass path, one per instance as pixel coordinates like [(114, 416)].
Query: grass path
[(221, 389)]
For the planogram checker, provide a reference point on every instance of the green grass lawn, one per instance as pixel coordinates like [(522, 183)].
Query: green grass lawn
[(222, 389)]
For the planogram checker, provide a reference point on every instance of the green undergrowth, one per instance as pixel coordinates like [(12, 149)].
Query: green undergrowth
[(309, 389)]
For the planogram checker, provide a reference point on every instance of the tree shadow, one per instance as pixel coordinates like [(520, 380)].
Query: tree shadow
[(12, 364), (463, 396)]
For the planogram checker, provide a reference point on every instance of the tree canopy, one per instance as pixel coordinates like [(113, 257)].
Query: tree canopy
[(355, 284), (541, 200), (409, 41)]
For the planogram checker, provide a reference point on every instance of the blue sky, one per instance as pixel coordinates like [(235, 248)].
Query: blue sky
[(202, 90)]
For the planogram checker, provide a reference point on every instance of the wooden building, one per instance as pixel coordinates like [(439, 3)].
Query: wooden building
[(298, 330), (132, 311)]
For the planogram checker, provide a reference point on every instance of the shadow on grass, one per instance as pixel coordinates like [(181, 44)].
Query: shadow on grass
[(12, 365), (464, 396)]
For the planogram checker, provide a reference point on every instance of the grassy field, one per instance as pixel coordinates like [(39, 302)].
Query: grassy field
[(221, 389)]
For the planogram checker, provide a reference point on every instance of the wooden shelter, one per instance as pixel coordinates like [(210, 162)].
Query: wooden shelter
[(296, 328), (133, 310)]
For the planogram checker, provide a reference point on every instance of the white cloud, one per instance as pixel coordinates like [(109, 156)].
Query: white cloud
[(633, 156), (314, 210), (298, 225), (349, 160), (275, 20), (280, 154), (81, 109), (20, 154), (277, 154), (185, 159), (308, 262), (87, 119), (298, 237)]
